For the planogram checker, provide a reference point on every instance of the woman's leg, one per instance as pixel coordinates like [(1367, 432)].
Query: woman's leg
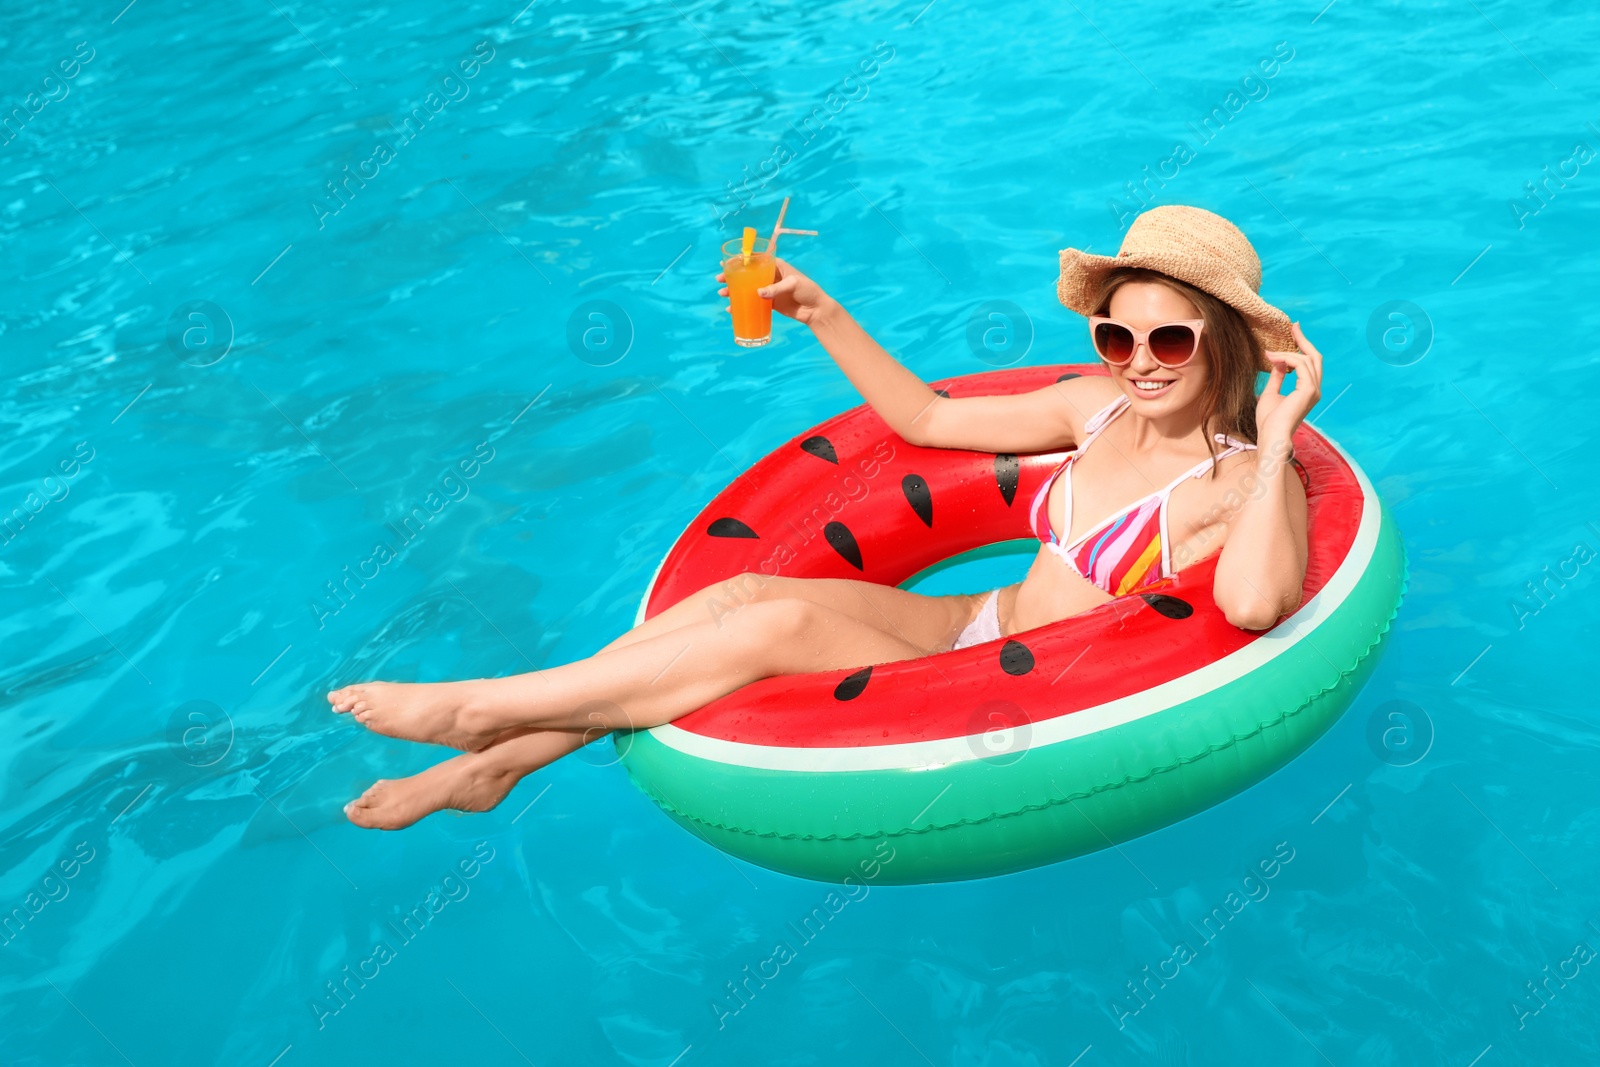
[(472, 781), (650, 682), (929, 622), (479, 781)]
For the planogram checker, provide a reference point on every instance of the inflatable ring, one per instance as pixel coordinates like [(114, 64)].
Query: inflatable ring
[(1056, 742)]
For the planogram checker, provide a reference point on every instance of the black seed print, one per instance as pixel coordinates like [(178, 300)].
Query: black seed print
[(1016, 658), (1006, 472), (1170, 606), (730, 528), (851, 687), (917, 495), (820, 447), (843, 542)]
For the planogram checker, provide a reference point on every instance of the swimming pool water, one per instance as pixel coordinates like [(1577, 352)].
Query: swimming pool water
[(227, 385)]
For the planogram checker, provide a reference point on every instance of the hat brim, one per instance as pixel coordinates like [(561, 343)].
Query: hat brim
[(1082, 273)]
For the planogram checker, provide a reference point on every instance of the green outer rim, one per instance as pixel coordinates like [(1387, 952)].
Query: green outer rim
[(1040, 805)]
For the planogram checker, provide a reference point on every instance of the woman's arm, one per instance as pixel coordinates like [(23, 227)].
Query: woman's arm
[(1262, 570), (1025, 422), (1039, 421)]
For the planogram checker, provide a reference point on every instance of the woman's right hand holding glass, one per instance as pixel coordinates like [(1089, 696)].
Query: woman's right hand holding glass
[(792, 294)]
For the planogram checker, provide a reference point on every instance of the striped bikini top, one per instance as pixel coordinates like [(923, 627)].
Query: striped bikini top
[(1130, 549)]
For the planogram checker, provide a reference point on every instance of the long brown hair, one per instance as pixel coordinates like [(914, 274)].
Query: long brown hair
[(1233, 353)]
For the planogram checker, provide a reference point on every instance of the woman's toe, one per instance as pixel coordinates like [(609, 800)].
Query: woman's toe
[(362, 809)]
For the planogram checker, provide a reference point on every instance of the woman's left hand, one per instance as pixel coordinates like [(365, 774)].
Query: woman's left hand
[(1279, 415)]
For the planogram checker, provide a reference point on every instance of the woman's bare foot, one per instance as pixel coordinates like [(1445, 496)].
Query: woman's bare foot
[(435, 713), (473, 781)]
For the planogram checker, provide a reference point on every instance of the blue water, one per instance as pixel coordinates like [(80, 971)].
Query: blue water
[(248, 386)]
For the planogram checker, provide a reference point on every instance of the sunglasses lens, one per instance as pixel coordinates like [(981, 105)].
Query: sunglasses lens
[(1172, 345), (1113, 342)]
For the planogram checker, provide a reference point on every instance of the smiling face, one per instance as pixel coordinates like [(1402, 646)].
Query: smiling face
[(1157, 391)]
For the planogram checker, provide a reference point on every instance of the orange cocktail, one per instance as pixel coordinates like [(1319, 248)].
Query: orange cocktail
[(746, 270)]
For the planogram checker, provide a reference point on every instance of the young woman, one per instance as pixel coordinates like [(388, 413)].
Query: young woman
[(1175, 455)]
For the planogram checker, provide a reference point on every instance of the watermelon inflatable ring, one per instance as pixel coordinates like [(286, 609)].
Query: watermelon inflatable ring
[(1056, 742)]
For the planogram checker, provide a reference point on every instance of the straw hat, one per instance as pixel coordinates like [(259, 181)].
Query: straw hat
[(1194, 246)]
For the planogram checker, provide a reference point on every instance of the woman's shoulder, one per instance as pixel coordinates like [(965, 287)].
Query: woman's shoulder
[(1087, 397)]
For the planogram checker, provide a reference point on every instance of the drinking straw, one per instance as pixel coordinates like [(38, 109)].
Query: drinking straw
[(778, 230)]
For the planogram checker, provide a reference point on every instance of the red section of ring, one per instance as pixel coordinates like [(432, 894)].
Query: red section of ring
[(789, 498)]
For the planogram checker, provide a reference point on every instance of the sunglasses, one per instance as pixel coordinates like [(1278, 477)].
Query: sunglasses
[(1172, 344)]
